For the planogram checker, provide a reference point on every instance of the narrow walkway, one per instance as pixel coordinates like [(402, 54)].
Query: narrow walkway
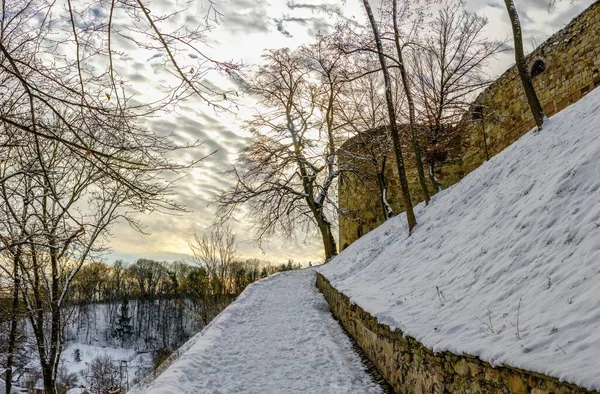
[(278, 337)]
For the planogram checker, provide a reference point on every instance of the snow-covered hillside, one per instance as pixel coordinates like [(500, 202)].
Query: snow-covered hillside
[(505, 265)]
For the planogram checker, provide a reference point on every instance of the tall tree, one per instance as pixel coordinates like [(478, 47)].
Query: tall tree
[(450, 66), (414, 134), (532, 98), (123, 328), (14, 237), (281, 175), (61, 235), (216, 252), (408, 207)]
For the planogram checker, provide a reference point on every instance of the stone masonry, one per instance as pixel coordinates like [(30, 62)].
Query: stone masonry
[(411, 368)]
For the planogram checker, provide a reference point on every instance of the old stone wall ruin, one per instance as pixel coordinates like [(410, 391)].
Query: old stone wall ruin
[(564, 69)]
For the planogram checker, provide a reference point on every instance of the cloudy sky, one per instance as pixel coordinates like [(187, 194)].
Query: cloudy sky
[(248, 27)]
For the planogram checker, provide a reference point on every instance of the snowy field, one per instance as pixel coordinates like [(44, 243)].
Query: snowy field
[(278, 337), (88, 353), (135, 365), (505, 265)]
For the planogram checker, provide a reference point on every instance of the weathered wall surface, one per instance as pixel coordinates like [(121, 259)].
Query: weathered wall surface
[(411, 368), (359, 194), (359, 190), (571, 63), (570, 60)]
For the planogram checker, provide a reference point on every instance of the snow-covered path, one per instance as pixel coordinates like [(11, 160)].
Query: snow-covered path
[(278, 337)]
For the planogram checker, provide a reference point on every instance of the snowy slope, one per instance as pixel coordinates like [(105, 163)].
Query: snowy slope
[(277, 337), (505, 265)]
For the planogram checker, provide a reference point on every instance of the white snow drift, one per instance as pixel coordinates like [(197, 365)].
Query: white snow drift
[(505, 265), (277, 337)]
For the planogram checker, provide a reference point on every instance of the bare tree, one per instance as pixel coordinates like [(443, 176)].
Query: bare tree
[(18, 231), (534, 103), (395, 41), (216, 253), (410, 215), (450, 67), (102, 375), (282, 176), (55, 207), (414, 134)]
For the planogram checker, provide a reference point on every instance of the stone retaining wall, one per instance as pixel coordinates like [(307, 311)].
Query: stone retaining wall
[(411, 368)]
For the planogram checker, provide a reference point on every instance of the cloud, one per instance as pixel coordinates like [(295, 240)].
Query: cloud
[(313, 26), (155, 56), (245, 17), (281, 28), (319, 7)]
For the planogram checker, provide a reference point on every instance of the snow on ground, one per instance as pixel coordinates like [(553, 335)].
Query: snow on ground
[(137, 364), (278, 337), (77, 390), (505, 265), (13, 390), (90, 352)]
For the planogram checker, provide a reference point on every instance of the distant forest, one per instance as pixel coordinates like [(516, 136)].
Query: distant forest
[(148, 307)]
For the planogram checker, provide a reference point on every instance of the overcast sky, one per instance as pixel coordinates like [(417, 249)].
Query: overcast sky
[(247, 29)]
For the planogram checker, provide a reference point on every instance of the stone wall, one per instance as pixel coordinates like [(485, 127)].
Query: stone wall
[(567, 67), (411, 368), (359, 194), (570, 61)]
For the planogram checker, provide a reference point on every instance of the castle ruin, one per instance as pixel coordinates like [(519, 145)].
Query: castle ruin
[(564, 68)]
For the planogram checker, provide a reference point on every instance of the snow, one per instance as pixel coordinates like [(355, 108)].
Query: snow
[(90, 352), (137, 364), (77, 390), (278, 336), (503, 265), (39, 385)]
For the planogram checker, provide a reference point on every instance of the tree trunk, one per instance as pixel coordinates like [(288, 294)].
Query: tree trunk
[(410, 215), (55, 314), (12, 336), (532, 98), (327, 236), (36, 317), (385, 206), (434, 181), (411, 106), (49, 383), (383, 187), (329, 118), (485, 145)]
